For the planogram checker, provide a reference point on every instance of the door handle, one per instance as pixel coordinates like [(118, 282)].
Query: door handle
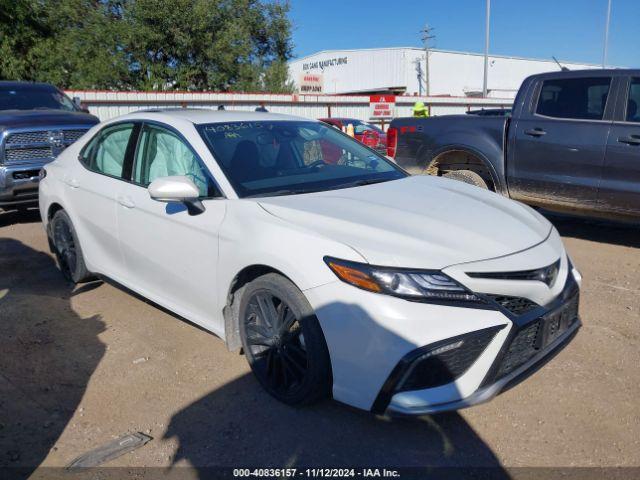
[(535, 132), (126, 202), (630, 140)]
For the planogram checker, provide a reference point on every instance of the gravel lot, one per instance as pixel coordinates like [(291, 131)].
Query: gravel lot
[(81, 366)]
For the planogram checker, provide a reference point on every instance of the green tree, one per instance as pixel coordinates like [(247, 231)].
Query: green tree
[(23, 25), (85, 50), (147, 44), (207, 44)]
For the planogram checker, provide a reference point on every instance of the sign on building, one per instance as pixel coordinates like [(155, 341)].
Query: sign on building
[(382, 106), (311, 83)]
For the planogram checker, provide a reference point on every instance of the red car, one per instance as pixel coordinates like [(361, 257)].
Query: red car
[(364, 132)]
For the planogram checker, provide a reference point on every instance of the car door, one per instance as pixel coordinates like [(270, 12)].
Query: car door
[(171, 256), (92, 187), (620, 186), (560, 141)]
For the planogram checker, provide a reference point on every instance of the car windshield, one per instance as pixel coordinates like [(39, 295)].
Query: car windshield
[(268, 158), (27, 98)]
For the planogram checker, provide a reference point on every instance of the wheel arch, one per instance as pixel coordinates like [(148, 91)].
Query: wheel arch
[(230, 309), (54, 208), (463, 157)]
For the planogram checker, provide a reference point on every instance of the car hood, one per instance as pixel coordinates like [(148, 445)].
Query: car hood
[(37, 118), (417, 222)]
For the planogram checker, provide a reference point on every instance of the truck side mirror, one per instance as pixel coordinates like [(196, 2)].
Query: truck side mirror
[(79, 105)]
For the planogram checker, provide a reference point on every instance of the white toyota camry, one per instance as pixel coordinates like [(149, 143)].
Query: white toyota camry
[(334, 271)]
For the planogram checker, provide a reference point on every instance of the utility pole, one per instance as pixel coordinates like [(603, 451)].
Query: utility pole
[(419, 75), (485, 91), (427, 36), (606, 35)]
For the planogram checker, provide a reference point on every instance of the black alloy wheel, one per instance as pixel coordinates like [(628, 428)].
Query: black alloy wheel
[(275, 343), (66, 252), (283, 341), (67, 249)]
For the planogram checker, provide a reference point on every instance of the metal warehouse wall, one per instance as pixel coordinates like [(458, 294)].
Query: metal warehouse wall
[(364, 70), (460, 74), (456, 74), (106, 105)]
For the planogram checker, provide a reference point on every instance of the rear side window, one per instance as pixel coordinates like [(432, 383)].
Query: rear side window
[(633, 102), (107, 151), (576, 98)]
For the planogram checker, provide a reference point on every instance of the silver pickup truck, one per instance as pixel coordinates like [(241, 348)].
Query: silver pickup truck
[(37, 122)]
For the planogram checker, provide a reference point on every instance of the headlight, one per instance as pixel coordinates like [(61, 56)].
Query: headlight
[(417, 285)]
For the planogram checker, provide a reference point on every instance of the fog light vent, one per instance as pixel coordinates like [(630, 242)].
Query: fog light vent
[(445, 362)]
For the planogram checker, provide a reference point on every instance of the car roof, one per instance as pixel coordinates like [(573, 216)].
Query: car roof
[(199, 116), (586, 73)]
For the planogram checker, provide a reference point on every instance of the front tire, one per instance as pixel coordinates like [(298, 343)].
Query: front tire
[(467, 176), (283, 341), (67, 249)]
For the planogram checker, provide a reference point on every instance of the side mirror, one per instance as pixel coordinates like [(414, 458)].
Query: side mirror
[(177, 189), (80, 106)]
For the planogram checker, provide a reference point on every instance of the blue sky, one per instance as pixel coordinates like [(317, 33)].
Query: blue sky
[(569, 29)]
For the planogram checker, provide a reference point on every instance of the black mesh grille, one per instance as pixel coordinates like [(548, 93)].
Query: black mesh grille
[(521, 349), (433, 369), (537, 335), (516, 305)]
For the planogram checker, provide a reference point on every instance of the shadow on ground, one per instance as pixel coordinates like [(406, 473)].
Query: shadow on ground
[(48, 354), (239, 424), (595, 230), (11, 217)]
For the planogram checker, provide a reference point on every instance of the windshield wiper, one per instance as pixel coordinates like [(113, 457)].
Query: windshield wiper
[(360, 183), (279, 193), (355, 183)]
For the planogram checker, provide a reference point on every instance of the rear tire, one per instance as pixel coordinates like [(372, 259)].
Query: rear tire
[(67, 249), (283, 341), (467, 176)]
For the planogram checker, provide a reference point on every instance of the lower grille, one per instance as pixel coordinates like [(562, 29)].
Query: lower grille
[(537, 335), (446, 362), (521, 349)]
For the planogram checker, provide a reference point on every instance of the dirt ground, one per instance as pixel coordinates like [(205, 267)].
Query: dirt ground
[(82, 366)]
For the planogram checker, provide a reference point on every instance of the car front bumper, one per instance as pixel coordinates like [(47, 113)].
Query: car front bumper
[(373, 339), (484, 394), (19, 185), (417, 402)]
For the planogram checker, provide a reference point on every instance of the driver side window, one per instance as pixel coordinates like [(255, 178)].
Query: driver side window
[(161, 153)]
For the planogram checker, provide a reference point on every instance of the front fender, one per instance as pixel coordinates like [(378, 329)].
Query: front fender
[(251, 236)]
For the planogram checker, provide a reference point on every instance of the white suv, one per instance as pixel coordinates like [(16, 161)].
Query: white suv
[(334, 271)]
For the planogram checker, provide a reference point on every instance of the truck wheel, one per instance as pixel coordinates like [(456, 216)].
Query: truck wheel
[(67, 249), (467, 176)]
